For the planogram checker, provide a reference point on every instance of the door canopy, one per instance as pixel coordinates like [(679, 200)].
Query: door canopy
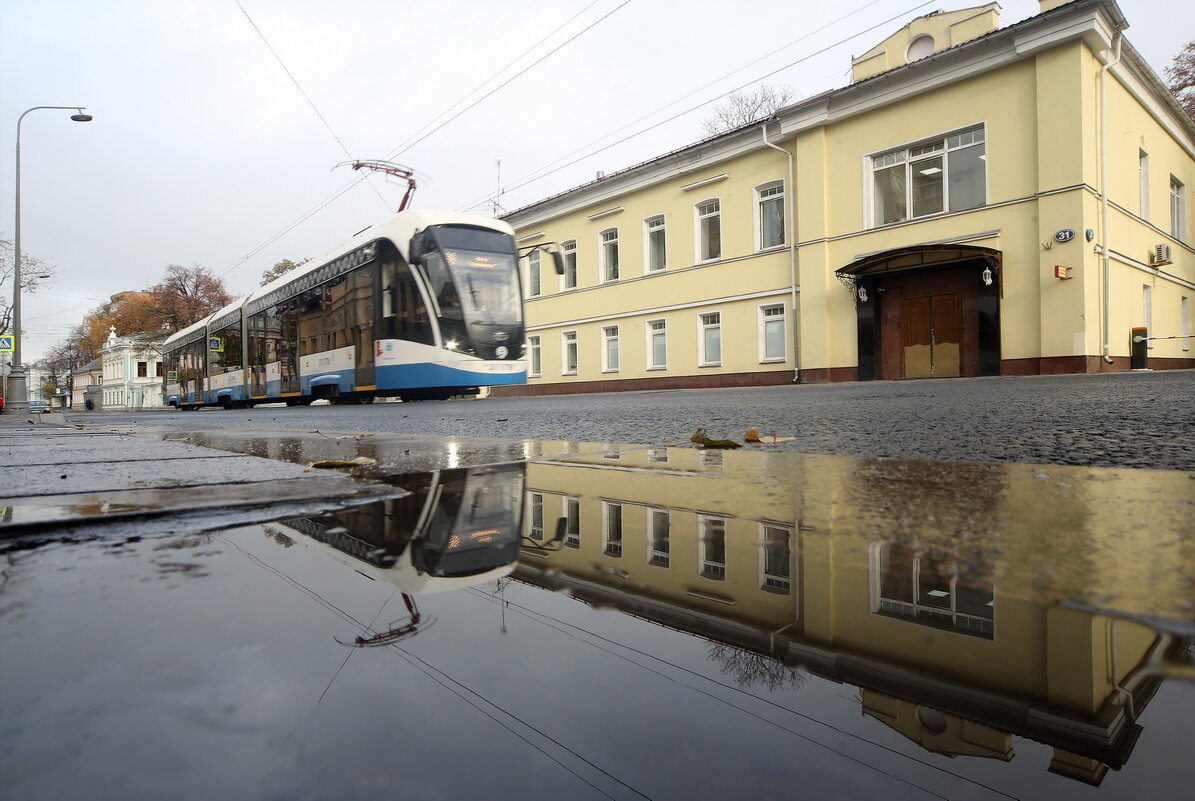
[(916, 257)]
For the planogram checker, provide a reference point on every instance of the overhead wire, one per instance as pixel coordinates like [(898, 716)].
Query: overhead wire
[(406, 145)]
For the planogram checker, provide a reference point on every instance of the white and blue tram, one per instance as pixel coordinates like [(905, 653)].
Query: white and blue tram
[(426, 305)]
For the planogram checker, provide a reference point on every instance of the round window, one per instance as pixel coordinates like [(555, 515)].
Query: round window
[(920, 47)]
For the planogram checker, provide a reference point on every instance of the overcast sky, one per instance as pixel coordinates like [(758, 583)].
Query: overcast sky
[(203, 149)]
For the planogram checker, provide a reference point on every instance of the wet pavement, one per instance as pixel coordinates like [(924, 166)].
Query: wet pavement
[(463, 617)]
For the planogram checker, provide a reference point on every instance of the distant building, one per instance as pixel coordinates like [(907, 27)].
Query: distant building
[(131, 373), (89, 375), (978, 201)]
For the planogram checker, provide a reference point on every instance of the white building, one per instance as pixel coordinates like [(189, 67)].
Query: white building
[(132, 373)]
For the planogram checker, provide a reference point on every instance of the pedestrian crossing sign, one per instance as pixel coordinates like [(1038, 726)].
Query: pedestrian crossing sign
[(215, 345), (6, 344)]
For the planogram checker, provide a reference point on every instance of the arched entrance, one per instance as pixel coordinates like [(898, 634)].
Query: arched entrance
[(927, 311)]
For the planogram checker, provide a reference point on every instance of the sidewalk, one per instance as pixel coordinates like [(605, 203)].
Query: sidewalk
[(61, 477)]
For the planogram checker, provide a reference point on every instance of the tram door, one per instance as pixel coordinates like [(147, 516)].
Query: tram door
[(932, 329)]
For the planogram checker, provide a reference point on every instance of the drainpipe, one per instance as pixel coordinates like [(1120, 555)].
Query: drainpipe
[(1109, 63), (790, 195)]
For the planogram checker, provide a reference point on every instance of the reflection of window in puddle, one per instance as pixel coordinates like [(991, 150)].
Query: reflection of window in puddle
[(712, 546), (536, 502), (611, 529), (658, 455), (932, 590), (572, 513), (712, 458), (612, 455), (775, 556), (659, 523)]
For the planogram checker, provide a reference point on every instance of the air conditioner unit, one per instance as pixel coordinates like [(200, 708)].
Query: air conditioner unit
[(1161, 255)]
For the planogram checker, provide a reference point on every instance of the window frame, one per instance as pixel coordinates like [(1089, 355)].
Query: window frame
[(904, 156), (772, 582), (760, 200), (703, 359), (1143, 182), (657, 223), (610, 546), (651, 335), (657, 557), (568, 254), (707, 567), (535, 361), (607, 276), (763, 319), (701, 242), (1178, 209), (570, 339), (535, 284), (610, 335)]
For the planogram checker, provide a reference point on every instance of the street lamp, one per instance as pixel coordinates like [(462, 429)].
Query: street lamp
[(18, 394)]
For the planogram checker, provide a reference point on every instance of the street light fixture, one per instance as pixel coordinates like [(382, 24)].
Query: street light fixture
[(18, 394)]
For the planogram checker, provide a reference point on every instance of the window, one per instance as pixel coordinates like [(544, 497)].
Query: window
[(1143, 177), (709, 230), (656, 250), (1185, 320), (537, 515), (776, 559), (711, 339), (533, 279), (931, 590), (158, 369), (772, 345), (1147, 311), (609, 255), (568, 250), (534, 356), (657, 345), (610, 349), (143, 369), (945, 174), (572, 516), (611, 529), (659, 524), (770, 214), (1178, 210), (713, 548), (568, 353)]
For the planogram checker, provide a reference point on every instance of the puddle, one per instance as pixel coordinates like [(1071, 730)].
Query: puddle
[(622, 622)]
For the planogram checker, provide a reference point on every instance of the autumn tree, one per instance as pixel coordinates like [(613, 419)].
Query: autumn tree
[(132, 314), (1181, 78), (279, 269), (187, 295), (35, 274), (746, 106)]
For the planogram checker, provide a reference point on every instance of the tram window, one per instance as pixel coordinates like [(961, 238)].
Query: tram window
[(407, 314)]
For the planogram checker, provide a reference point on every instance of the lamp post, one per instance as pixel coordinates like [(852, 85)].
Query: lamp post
[(18, 393)]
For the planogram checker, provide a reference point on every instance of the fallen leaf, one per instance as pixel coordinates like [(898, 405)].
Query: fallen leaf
[(752, 435), (701, 437)]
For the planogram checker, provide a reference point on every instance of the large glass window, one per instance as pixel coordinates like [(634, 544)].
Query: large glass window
[(946, 174), (933, 590), (709, 230), (711, 339), (568, 250), (770, 213), (609, 254), (656, 249)]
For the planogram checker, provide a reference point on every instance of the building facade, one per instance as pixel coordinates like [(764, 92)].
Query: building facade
[(131, 373), (978, 201)]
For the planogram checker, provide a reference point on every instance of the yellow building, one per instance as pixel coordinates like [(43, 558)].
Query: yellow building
[(978, 201)]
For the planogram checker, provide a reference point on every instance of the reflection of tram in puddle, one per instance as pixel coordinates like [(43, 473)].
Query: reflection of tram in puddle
[(957, 643), (455, 529)]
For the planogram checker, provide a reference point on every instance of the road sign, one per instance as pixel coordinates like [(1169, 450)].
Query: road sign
[(215, 345), (6, 344)]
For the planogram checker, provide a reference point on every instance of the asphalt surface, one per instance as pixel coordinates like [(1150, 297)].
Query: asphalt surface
[(1117, 419)]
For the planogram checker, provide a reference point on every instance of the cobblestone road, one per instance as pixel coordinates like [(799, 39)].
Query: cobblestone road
[(1127, 419)]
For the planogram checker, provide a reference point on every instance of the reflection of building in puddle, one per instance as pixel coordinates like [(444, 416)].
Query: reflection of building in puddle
[(923, 585), (455, 529)]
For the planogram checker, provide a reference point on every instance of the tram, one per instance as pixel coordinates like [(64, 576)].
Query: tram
[(424, 306)]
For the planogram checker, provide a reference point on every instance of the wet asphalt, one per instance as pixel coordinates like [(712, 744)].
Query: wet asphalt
[(1109, 420)]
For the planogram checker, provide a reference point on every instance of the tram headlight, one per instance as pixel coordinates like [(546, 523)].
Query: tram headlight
[(452, 344), (501, 351)]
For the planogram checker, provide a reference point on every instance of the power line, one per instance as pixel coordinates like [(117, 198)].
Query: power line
[(532, 177)]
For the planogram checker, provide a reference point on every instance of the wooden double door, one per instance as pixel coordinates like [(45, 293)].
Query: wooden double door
[(931, 336)]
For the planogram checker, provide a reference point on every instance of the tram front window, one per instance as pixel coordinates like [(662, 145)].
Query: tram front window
[(481, 287)]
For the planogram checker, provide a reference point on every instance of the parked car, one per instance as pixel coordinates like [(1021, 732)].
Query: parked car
[(38, 406)]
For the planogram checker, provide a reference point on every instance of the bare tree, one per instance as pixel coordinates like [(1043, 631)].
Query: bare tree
[(749, 668), (1181, 77), (188, 294), (35, 274), (746, 106)]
